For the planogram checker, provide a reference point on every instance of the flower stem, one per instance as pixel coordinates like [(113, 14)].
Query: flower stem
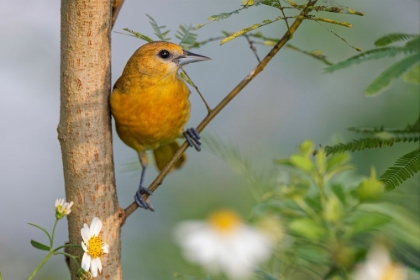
[(52, 234), (40, 265)]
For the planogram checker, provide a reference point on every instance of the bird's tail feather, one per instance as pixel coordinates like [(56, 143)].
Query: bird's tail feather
[(164, 153)]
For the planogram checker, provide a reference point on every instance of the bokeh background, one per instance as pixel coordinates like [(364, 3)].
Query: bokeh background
[(290, 101)]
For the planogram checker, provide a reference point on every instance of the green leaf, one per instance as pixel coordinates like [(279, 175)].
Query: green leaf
[(303, 163), (332, 209), (369, 55), (39, 246), (339, 192), (262, 275), (404, 168), (313, 254), (186, 37), (366, 222), (138, 35), (41, 228), (308, 228), (368, 143), (306, 148), (370, 189), (248, 29), (158, 29), (414, 44), (393, 37), (412, 75), (337, 160), (391, 73)]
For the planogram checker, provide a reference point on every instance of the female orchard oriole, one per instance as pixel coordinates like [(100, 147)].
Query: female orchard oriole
[(150, 105)]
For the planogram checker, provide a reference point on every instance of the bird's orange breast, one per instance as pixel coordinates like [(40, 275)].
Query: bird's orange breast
[(149, 116)]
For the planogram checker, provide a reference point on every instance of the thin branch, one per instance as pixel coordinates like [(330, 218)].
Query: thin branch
[(252, 47), (285, 18), (280, 44), (198, 91), (116, 10)]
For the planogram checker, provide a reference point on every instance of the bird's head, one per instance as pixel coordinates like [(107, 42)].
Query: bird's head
[(163, 58)]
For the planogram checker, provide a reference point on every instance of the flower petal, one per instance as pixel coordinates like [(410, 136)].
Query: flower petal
[(105, 248), (95, 227), (85, 232), (86, 260), (84, 246), (94, 267), (98, 264)]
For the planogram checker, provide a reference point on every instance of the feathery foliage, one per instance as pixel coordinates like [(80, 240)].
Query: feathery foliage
[(408, 64), (404, 168), (238, 162), (393, 37), (393, 72), (369, 143), (186, 36), (138, 35), (159, 29), (369, 55)]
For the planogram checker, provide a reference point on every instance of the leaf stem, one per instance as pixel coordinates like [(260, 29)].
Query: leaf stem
[(41, 264)]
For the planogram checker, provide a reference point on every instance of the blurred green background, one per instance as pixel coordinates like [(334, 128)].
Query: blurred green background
[(291, 100)]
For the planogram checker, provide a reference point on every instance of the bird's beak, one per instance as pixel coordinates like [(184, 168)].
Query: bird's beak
[(189, 57)]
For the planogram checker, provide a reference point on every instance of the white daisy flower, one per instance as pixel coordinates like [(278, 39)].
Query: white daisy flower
[(224, 244), (379, 266), (62, 208), (93, 246)]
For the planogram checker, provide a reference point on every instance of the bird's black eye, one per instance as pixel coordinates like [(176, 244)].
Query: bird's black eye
[(164, 54)]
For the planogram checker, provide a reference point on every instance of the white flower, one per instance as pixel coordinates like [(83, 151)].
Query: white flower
[(224, 244), (93, 246), (62, 208), (378, 266)]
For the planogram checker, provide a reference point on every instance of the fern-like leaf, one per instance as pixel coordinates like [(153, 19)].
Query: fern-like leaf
[(393, 37), (404, 168), (391, 73), (413, 75), (369, 143), (186, 37), (221, 16), (137, 35), (248, 29), (414, 44), (369, 55), (158, 29)]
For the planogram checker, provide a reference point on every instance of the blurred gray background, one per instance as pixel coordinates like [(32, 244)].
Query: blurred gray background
[(290, 101)]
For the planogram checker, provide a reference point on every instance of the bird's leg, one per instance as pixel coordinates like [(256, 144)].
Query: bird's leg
[(142, 190), (193, 138)]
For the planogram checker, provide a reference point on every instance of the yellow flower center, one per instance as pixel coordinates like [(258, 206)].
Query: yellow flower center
[(60, 209), (95, 247), (225, 221)]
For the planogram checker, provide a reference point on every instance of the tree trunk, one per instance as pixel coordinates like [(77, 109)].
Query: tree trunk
[(85, 126)]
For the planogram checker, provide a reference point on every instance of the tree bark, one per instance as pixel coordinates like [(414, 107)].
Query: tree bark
[(84, 130)]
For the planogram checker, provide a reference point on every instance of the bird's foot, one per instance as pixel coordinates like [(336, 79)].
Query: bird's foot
[(193, 138), (139, 198)]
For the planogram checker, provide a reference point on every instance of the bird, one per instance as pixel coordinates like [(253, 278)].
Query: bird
[(150, 105)]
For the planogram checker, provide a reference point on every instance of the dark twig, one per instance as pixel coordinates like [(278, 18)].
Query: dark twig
[(252, 47), (280, 44), (198, 91)]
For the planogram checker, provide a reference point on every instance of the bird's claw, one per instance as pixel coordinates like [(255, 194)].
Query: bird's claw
[(139, 198), (193, 138)]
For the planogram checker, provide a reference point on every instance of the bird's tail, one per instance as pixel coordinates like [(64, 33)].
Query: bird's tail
[(164, 153)]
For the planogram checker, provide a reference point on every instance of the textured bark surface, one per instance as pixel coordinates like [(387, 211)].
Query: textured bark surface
[(85, 125)]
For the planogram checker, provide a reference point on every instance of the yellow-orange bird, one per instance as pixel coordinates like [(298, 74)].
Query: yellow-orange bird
[(150, 105)]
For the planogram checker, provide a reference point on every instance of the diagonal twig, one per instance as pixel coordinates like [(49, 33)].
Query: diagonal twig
[(280, 44)]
